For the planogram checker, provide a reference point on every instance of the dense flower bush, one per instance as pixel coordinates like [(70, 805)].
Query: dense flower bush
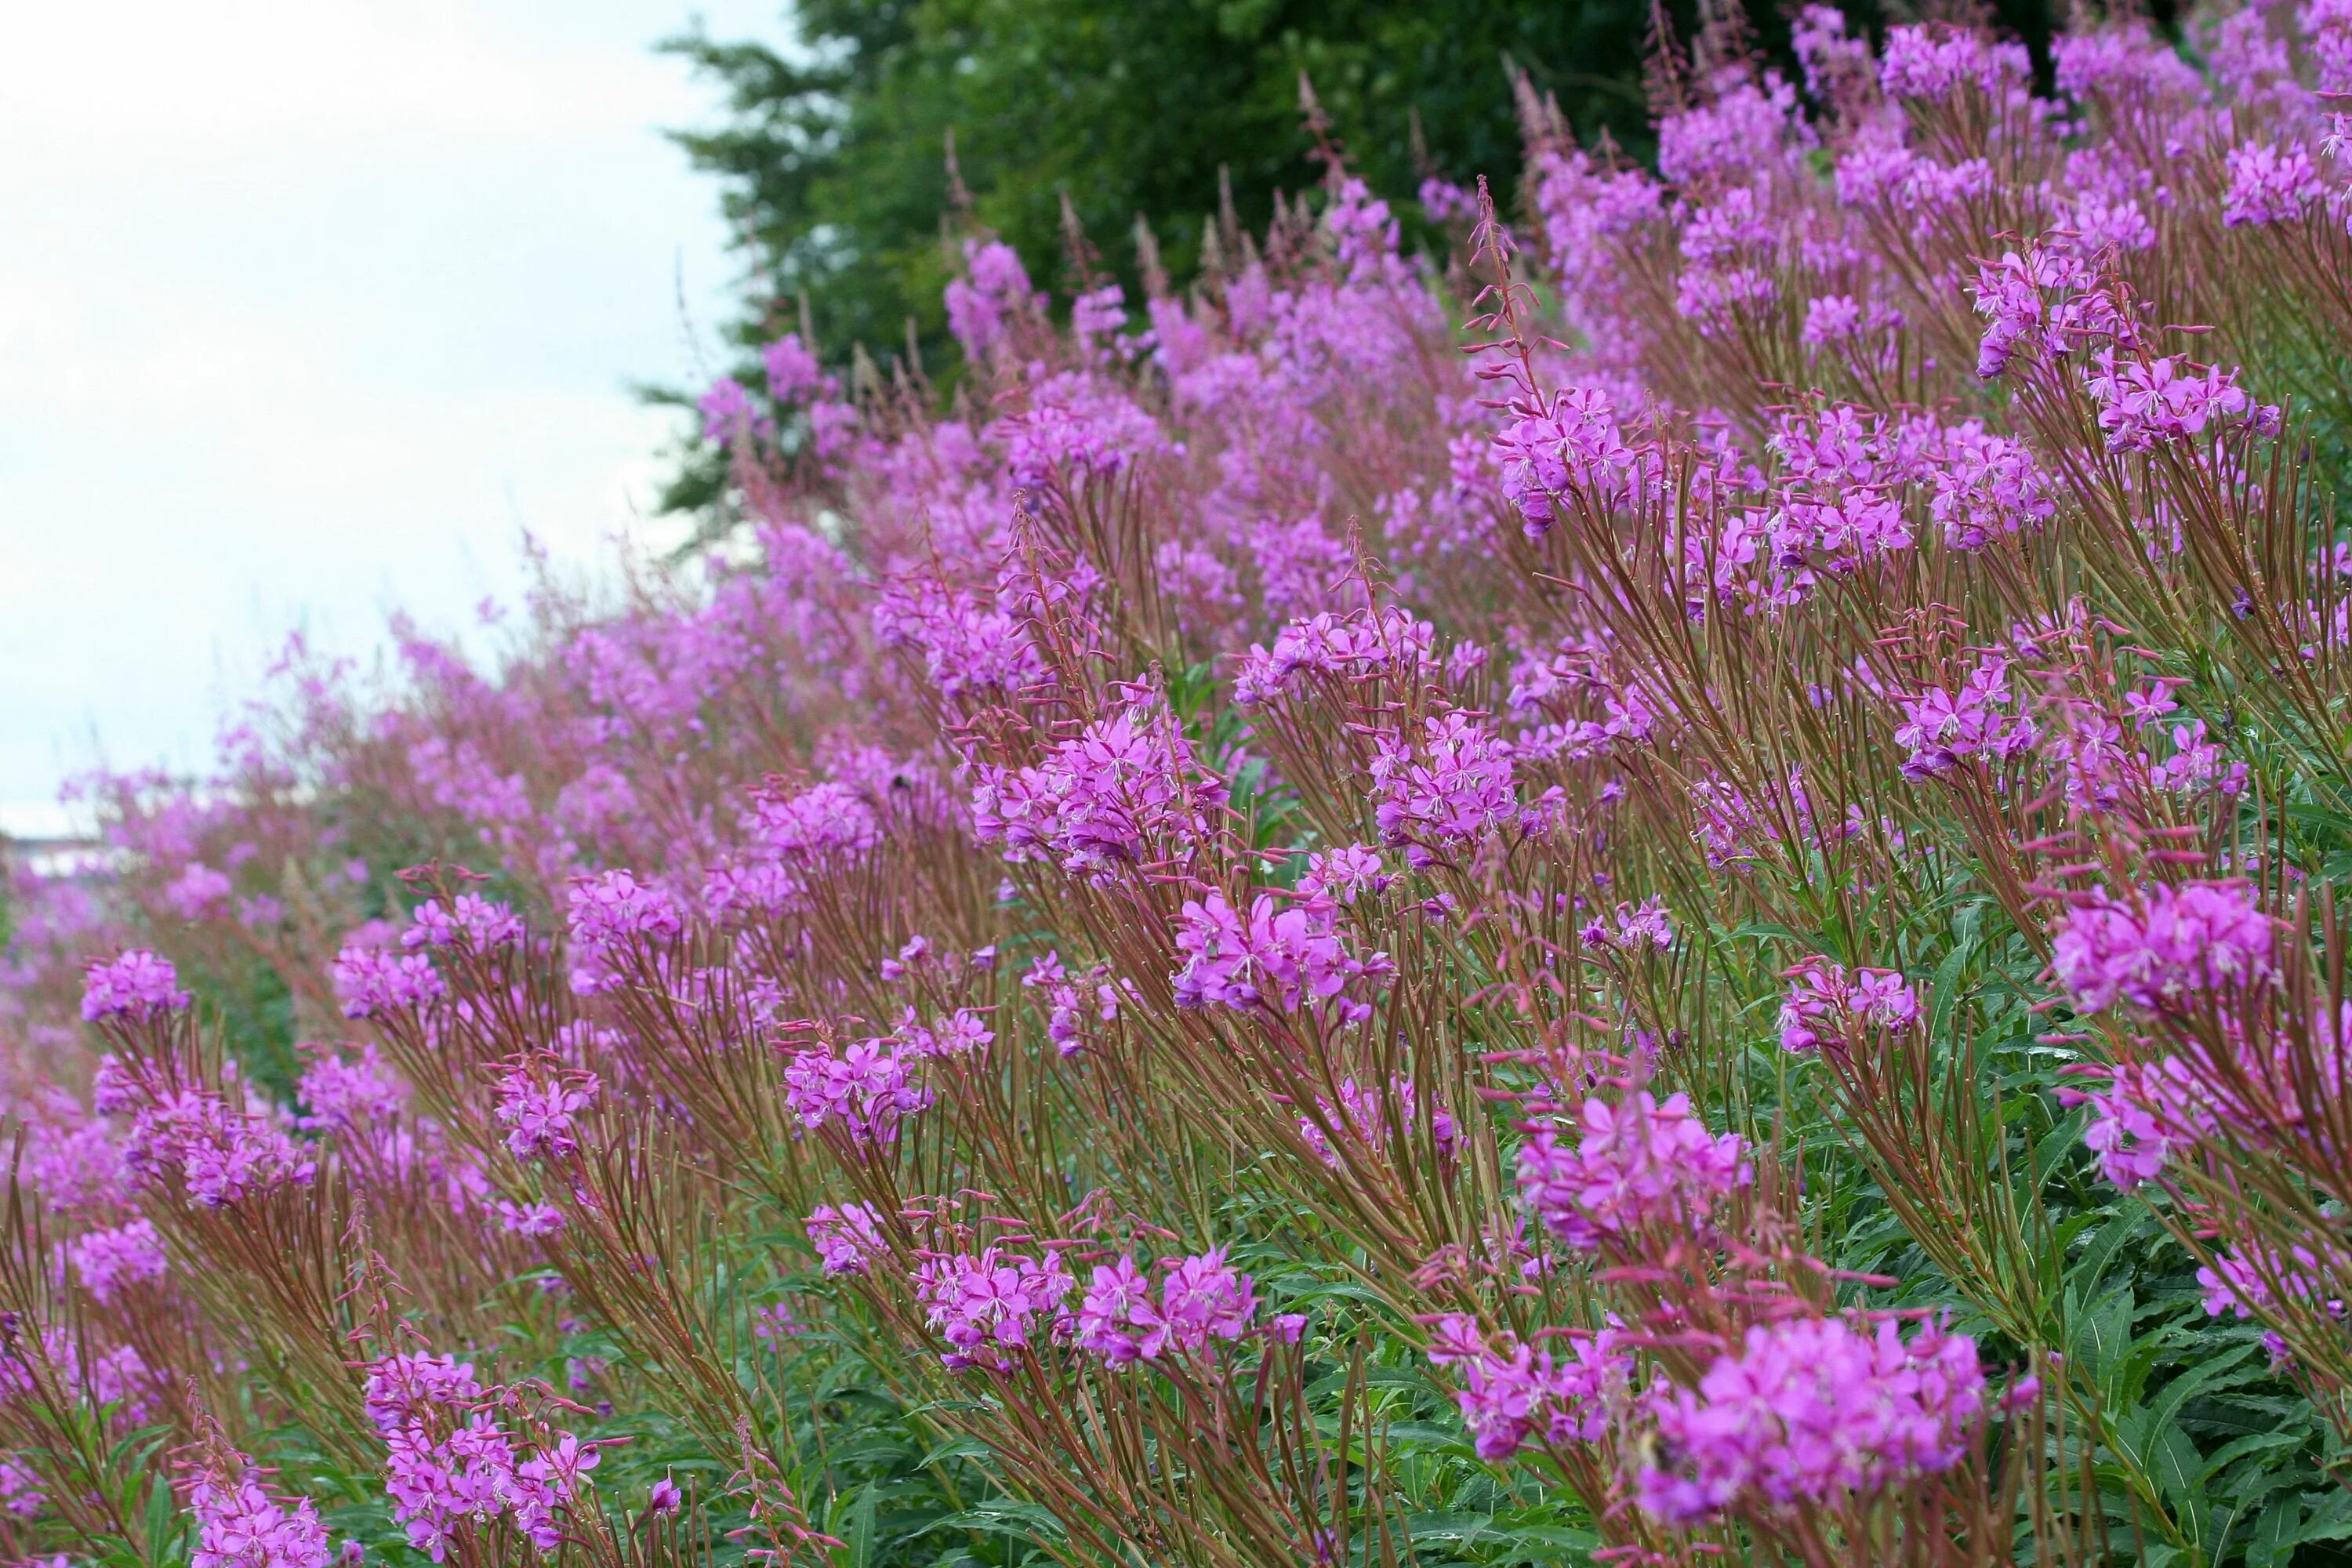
[(1657, 891)]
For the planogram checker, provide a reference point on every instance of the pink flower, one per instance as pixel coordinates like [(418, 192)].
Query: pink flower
[(2174, 946), (537, 1104), (373, 981), (847, 1239), (1637, 1162), (2270, 184), (1810, 1410), (137, 986), (1274, 956)]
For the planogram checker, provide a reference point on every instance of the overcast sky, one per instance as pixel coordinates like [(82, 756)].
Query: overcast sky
[(308, 309)]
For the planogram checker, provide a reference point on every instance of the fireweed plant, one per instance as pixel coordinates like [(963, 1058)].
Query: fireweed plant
[(1663, 893)]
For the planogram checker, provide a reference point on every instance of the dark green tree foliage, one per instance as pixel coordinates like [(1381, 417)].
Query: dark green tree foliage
[(832, 156)]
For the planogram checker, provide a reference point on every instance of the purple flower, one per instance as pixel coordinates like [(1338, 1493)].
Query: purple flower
[(1810, 1410), (530, 1219), (1361, 1115), (374, 980), (1276, 957), (867, 1089), (2146, 403), (1574, 445), (1126, 790), (793, 371), (477, 921), (537, 1104), (2166, 950), (1117, 1320), (2270, 184), (2147, 1112), (1512, 1393), (1350, 647), (729, 415), (106, 1261), (990, 1305), (1946, 730), (993, 292), (1825, 1007), (239, 1525), (1635, 1164), (135, 985), (605, 913), (847, 1239), (1452, 788)]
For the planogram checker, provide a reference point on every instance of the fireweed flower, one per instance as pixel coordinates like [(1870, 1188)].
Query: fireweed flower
[(1350, 647), (2248, 1280), (1636, 928), (1979, 723), (1634, 1164), (1573, 445), (1275, 956), (847, 1239), (1810, 1410), (1449, 789), (471, 919), (219, 1155), (537, 1104), (239, 1525), (1512, 1393), (409, 1386), (990, 1305), (2144, 404), (1200, 1299), (605, 913), (1107, 798), (374, 980), (1823, 1004), (2270, 184), (2144, 1116), (2166, 950), (1344, 875), (137, 986), (867, 1089), (106, 1261)]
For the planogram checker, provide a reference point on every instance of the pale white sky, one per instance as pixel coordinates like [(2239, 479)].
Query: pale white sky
[(308, 309)]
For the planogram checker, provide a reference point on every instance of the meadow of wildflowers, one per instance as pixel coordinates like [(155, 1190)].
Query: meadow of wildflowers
[(1662, 891)]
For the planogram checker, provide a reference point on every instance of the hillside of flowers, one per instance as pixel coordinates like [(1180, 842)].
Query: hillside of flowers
[(1658, 892)]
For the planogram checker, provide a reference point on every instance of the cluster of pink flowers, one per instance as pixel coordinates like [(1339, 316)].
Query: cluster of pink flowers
[(1824, 1004), (374, 981), (240, 1525), (867, 1090), (538, 1104), (1448, 788), (1362, 1115), (1812, 1408), (1275, 956), (220, 1154), (1124, 791), (1200, 1299), (2168, 948), (848, 1238), (136, 986), (1635, 1164), (1350, 647), (451, 1466), (990, 1305), (107, 1261), (469, 919), (1512, 1393)]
